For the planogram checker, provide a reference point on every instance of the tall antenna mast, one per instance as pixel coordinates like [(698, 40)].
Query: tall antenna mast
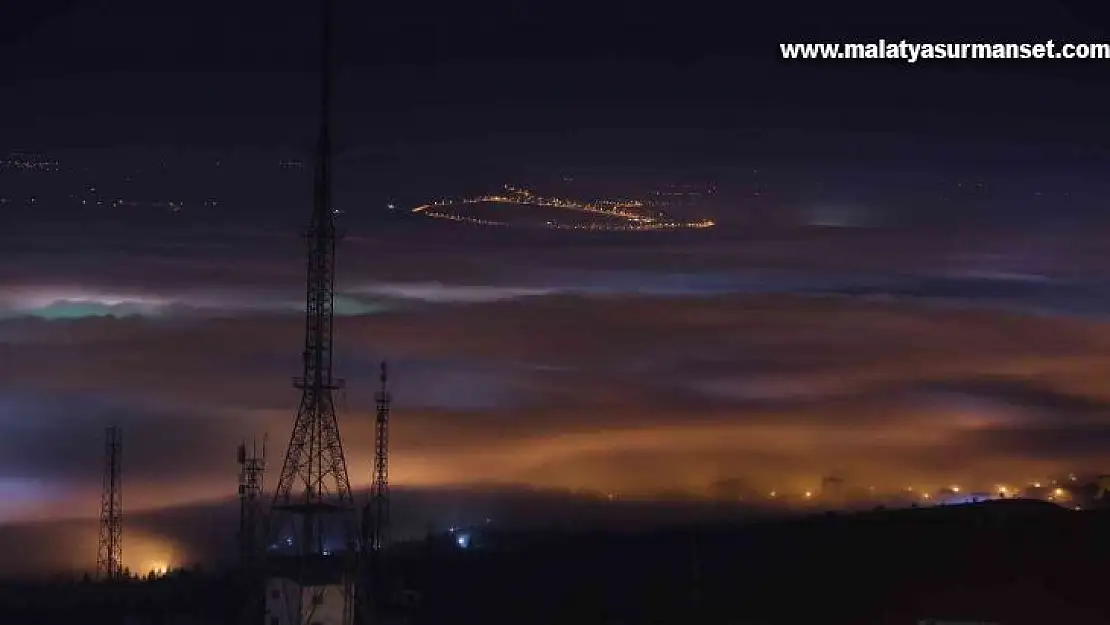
[(313, 518), (109, 555), (379, 491), (313, 477)]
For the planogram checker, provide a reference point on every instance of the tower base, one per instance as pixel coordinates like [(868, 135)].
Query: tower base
[(317, 603)]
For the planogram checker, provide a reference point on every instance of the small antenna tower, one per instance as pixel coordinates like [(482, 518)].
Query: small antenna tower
[(379, 491), (109, 555), (252, 471)]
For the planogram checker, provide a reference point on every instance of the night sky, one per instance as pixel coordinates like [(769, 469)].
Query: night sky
[(951, 328)]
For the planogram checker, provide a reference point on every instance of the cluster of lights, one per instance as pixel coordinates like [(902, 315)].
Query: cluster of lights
[(91, 197), (630, 210), (458, 218), (1053, 492), (517, 195), (945, 494), (626, 227), (462, 539), (28, 162), (173, 206)]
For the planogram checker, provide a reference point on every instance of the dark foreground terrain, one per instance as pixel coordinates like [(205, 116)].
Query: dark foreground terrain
[(1009, 562)]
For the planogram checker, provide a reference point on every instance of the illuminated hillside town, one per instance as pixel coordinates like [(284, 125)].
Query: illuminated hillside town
[(621, 215)]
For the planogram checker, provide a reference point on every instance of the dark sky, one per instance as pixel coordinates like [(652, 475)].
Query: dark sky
[(508, 86), (951, 329)]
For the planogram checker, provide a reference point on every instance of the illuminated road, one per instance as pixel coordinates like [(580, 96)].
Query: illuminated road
[(635, 217)]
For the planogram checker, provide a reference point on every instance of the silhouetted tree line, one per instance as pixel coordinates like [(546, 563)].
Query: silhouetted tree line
[(1010, 561)]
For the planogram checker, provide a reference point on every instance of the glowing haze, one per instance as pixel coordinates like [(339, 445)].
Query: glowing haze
[(560, 362)]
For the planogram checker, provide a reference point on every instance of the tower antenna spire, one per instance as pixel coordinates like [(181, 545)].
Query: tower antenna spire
[(313, 517)]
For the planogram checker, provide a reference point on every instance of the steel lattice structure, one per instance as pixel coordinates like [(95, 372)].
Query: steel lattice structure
[(109, 555), (379, 491), (313, 488)]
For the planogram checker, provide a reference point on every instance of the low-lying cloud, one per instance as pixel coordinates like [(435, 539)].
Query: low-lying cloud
[(639, 381)]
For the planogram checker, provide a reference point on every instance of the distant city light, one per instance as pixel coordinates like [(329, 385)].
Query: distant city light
[(945, 494), (632, 211)]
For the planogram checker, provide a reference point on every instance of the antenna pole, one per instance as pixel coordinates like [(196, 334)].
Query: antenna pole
[(380, 490), (109, 558), (314, 522)]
